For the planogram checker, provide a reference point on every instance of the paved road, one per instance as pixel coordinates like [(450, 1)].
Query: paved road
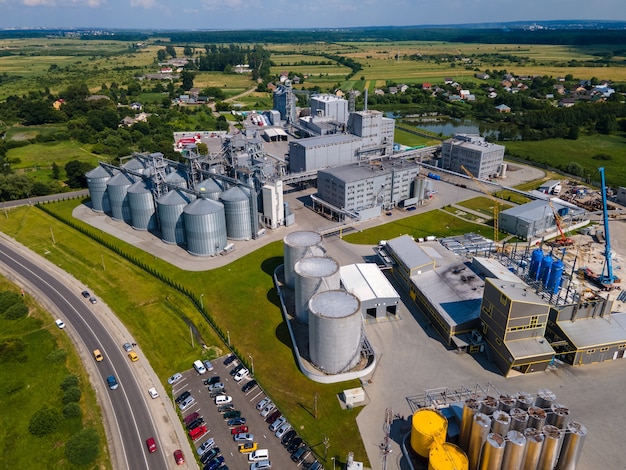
[(130, 422)]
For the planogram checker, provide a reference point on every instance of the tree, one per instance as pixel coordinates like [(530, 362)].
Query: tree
[(71, 395), (188, 51), (72, 410), (574, 168), (15, 312), (161, 55), (75, 171), (171, 51), (187, 79), (82, 448), (43, 422), (572, 134), (55, 171)]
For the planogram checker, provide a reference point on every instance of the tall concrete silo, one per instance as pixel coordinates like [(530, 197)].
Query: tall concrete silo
[(117, 189), (142, 207), (297, 245), (170, 208), (97, 184), (237, 209), (211, 188), (205, 227), (313, 274), (334, 331)]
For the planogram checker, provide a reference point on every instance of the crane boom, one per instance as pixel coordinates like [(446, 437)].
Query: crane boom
[(484, 190), (607, 278), (562, 240)]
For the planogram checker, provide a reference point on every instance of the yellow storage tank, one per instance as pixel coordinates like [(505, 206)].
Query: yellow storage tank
[(447, 456), (428, 427)]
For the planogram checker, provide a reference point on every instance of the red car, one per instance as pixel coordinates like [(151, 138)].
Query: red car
[(178, 457), (152, 448), (239, 430), (197, 433)]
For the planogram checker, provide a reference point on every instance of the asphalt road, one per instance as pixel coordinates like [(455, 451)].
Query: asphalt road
[(131, 422)]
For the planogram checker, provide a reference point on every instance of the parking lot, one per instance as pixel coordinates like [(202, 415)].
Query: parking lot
[(217, 426)]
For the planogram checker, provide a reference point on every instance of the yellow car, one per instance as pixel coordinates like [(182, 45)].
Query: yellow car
[(133, 356), (97, 355), (248, 447)]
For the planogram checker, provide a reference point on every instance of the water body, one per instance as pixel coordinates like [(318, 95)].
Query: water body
[(450, 126)]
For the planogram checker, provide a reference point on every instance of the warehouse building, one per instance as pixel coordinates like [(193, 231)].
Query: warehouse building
[(537, 217), (323, 152), (375, 131), (330, 106), (481, 158), (367, 282)]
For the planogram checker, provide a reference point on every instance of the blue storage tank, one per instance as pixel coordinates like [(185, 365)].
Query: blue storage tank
[(546, 267), (535, 263), (556, 276), (563, 211)]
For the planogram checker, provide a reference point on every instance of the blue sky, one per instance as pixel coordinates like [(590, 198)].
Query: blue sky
[(240, 14)]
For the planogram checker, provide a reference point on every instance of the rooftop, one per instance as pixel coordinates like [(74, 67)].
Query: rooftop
[(366, 281)]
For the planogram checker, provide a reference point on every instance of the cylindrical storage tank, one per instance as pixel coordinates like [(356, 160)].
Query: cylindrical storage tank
[(478, 435), (170, 209), (500, 422), (297, 245), (534, 445), (546, 267), (514, 450), (524, 400), (535, 263), (488, 405), (313, 274), (97, 184), (557, 415), (519, 419), (469, 409), (142, 208), (551, 447), (237, 210), (211, 188), (335, 330), (137, 165), (493, 452), (205, 227), (506, 403), (503, 168), (556, 274), (447, 456), (177, 179), (536, 417), (419, 187), (573, 441), (428, 428), (544, 399), (117, 189)]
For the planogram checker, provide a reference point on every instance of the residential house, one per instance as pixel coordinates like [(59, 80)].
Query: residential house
[(426, 86), (296, 80), (403, 88), (58, 103), (379, 92), (503, 108), (567, 102), (560, 79), (492, 95), (393, 90), (506, 83), (560, 89), (464, 94), (166, 70), (482, 76), (448, 80), (136, 106)]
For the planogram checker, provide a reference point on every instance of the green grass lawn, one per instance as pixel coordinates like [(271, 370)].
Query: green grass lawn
[(483, 205), (412, 140)]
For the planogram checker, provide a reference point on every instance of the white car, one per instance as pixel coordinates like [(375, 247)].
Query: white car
[(268, 409), (260, 405), (205, 447), (186, 403), (278, 423), (175, 378), (153, 393), (223, 399), (60, 323), (282, 430), (242, 374)]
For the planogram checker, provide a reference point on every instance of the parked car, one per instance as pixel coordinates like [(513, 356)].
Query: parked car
[(112, 382), (288, 437), (195, 423), (214, 464), (153, 393), (197, 433), (93, 300), (268, 409), (249, 386), (60, 323), (127, 347), (225, 408), (258, 455), (242, 374), (236, 369), (210, 455), (283, 430), (300, 454), (277, 423), (247, 447), (260, 405), (183, 396), (212, 380), (215, 393), (207, 365), (178, 457), (261, 465), (243, 437), (236, 421), (191, 417), (239, 429), (85, 294), (230, 359), (316, 466), (232, 414), (175, 378), (183, 405), (151, 443), (223, 399), (216, 386), (273, 416), (294, 444), (205, 446)]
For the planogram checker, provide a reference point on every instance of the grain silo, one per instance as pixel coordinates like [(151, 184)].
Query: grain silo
[(418, 187), (176, 178), (237, 210), (142, 207), (334, 331), (545, 397), (211, 188), (97, 184), (500, 422), (469, 409), (137, 165), (205, 227), (297, 245), (117, 189), (428, 428), (170, 209), (572, 446), (447, 456), (313, 274), (551, 447)]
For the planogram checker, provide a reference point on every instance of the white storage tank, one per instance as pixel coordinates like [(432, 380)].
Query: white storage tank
[(142, 207), (334, 331), (297, 245), (97, 184), (170, 208), (237, 209), (205, 227), (117, 189), (313, 274)]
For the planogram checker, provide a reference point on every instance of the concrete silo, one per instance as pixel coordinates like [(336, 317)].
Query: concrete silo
[(313, 274), (237, 210), (142, 207), (211, 188), (97, 184), (334, 331), (297, 245), (117, 189), (170, 209), (205, 227)]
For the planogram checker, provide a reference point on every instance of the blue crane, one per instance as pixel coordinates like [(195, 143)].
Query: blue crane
[(607, 278)]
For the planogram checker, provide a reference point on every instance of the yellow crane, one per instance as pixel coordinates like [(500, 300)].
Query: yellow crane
[(486, 192)]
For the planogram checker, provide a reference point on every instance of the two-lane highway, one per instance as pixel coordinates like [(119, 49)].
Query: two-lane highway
[(130, 421)]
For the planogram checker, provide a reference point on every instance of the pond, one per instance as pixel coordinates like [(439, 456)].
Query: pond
[(447, 127)]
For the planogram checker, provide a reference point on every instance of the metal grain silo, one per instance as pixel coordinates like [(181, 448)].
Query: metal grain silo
[(557, 415), (493, 452), (313, 274), (211, 188), (572, 446), (97, 184), (428, 428), (447, 456), (297, 245), (478, 435), (142, 207), (170, 209), (500, 422), (551, 446), (469, 409), (177, 179), (488, 405), (519, 419), (117, 189), (237, 210), (514, 450), (418, 187), (545, 397), (524, 400), (334, 330), (506, 403), (136, 164), (536, 417), (534, 444), (205, 227)]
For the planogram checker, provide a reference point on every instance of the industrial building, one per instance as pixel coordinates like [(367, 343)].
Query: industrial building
[(330, 107), (481, 158), (378, 297), (325, 151)]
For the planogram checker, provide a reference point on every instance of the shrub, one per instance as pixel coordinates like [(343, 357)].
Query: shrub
[(58, 355), (15, 312), (82, 448), (72, 410), (43, 422), (69, 381), (13, 349), (8, 299), (71, 395)]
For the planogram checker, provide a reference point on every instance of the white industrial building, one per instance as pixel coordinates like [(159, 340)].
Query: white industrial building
[(329, 106), (377, 295), (322, 152), (481, 158)]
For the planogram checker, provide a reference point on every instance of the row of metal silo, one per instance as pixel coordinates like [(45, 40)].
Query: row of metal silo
[(332, 314), (203, 223)]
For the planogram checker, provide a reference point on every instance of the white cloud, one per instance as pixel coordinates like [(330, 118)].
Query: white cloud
[(62, 3), (147, 4)]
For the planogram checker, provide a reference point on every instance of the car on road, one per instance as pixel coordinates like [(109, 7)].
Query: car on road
[(195, 423), (277, 423), (282, 430), (295, 443), (85, 294), (239, 429), (223, 399), (214, 464), (288, 437), (150, 442), (300, 454), (243, 437), (269, 408), (232, 414), (97, 355), (260, 405), (175, 378), (153, 393), (178, 457), (412, 208), (249, 386), (183, 396), (230, 359), (205, 446), (60, 323), (236, 421), (248, 447), (210, 455), (112, 382), (212, 380), (133, 356), (207, 365), (127, 347), (93, 300), (242, 374), (225, 408), (273, 416)]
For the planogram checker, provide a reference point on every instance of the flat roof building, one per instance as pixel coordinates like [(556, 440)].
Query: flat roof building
[(481, 158), (367, 282)]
